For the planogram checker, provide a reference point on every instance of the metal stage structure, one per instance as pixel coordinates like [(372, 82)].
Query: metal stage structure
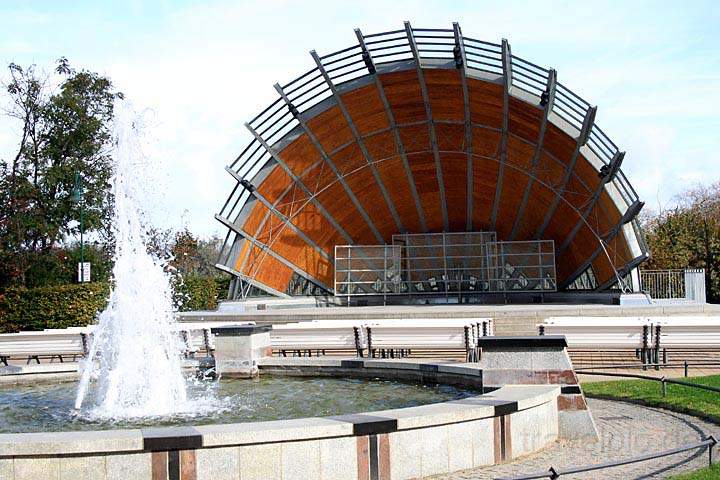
[(423, 131), (445, 264)]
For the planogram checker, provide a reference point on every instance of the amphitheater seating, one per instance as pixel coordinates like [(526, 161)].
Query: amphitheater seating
[(75, 341), (319, 336), (37, 345), (391, 337), (648, 336), (602, 332), (426, 334)]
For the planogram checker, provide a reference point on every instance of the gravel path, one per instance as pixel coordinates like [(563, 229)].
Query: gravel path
[(626, 430)]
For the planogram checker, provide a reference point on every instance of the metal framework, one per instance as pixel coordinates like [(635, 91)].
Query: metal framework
[(445, 264), (431, 124), (420, 49), (547, 100), (370, 64), (506, 59), (461, 64), (293, 110), (359, 141)]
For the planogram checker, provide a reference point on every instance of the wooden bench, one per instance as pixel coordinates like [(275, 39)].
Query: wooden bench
[(304, 337), (36, 345), (597, 334), (390, 337), (689, 334)]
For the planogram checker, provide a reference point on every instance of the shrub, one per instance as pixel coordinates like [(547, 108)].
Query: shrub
[(199, 292), (75, 305), (59, 306)]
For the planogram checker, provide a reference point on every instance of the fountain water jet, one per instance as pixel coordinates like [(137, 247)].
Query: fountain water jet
[(135, 360)]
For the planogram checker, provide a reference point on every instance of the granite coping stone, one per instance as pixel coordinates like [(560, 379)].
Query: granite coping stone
[(55, 443), (526, 396), (368, 424), (436, 414), (273, 431), (239, 330), (171, 438), (529, 342), (385, 363), (300, 361), (461, 369), (42, 368), (505, 400)]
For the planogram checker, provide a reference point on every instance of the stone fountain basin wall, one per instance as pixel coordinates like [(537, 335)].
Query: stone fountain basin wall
[(511, 421)]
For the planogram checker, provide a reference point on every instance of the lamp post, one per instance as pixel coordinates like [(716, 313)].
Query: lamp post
[(76, 198)]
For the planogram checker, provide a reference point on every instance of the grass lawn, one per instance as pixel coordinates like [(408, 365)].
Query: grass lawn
[(706, 473), (679, 398)]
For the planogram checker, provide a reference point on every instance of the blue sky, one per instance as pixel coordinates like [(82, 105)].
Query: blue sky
[(201, 69)]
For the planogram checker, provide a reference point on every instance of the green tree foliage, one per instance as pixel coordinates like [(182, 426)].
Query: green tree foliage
[(688, 236), (63, 132), (197, 284)]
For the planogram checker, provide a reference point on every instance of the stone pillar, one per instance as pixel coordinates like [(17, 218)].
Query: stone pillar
[(238, 349), (540, 360)]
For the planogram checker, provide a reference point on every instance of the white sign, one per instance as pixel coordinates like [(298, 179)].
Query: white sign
[(83, 272)]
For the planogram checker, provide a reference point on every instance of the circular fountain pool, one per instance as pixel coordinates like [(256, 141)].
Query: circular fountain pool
[(49, 407)]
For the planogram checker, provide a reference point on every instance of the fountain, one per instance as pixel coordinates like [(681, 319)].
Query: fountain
[(135, 360), (421, 417)]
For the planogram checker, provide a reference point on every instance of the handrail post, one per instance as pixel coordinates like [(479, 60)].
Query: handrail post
[(713, 442), (657, 347), (664, 386), (644, 355)]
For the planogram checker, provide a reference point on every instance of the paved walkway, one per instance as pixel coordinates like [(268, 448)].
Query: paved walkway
[(626, 430)]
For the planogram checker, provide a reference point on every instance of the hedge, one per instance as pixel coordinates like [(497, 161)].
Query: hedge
[(198, 292), (77, 305), (59, 306)]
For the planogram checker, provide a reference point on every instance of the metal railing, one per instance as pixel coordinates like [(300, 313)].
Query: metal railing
[(679, 285), (709, 442), (554, 472), (664, 381), (387, 51), (645, 366)]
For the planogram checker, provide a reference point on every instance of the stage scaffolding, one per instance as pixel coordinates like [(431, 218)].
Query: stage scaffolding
[(445, 264)]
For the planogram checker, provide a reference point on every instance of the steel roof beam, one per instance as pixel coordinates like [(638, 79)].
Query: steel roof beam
[(609, 175), (265, 248), (330, 163), (624, 270), (629, 215), (251, 281), (311, 197), (547, 100), (431, 124), (358, 139), (507, 83), (461, 65), (303, 187), (367, 57), (283, 217), (582, 139)]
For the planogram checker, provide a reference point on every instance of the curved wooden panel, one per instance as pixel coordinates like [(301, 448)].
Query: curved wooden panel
[(404, 100)]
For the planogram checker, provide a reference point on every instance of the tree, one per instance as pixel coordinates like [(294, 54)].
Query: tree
[(64, 133), (688, 236)]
